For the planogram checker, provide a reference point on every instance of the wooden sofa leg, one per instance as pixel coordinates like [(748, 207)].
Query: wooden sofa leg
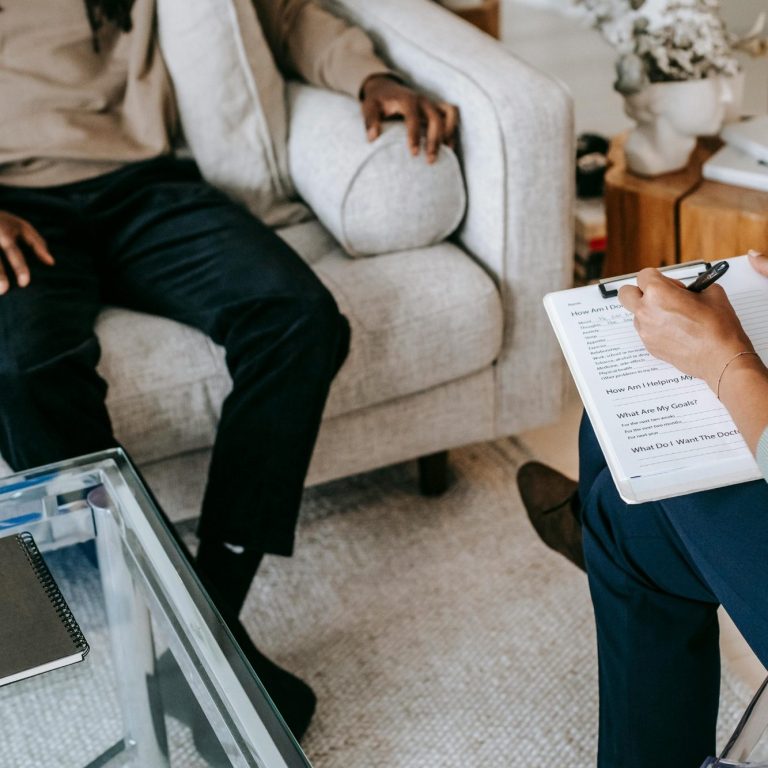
[(433, 474)]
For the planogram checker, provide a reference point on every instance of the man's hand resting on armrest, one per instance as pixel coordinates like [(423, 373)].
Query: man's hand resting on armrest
[(14, 233), (384, 97)]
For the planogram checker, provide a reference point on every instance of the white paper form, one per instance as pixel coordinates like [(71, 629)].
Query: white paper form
[(663, 433)]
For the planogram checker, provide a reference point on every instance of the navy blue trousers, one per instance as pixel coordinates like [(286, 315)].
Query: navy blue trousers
[(657, 573), (154, 237)]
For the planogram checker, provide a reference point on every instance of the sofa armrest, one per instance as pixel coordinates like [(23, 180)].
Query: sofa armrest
[(374, 197), (516, 147)]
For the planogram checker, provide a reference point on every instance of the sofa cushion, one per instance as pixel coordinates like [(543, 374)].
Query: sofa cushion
[(227, 86), (419, 319), (374, 197)]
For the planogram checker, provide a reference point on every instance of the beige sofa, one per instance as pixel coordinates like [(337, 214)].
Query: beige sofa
[(450, 343)]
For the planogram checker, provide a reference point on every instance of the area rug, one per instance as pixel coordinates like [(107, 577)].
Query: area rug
[(437, 632)]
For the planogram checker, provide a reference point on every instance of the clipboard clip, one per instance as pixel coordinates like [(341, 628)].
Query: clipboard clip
[(689, 270)]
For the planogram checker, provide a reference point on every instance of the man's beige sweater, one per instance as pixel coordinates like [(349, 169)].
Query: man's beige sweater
[(68, 112)]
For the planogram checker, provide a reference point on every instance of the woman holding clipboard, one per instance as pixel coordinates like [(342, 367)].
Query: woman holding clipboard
[(658, 571)]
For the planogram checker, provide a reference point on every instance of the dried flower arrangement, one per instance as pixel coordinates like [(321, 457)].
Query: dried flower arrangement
[(669, 40)]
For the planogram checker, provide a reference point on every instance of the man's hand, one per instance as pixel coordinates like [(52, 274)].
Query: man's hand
[(383, 97), (696, 332), (13, 232)]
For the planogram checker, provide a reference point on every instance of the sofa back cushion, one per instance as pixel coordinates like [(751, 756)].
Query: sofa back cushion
[(231, 101)]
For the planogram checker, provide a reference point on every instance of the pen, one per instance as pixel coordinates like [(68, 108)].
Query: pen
[(705, 279)]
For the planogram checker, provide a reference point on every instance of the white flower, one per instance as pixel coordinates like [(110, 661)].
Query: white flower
[(672, 39)]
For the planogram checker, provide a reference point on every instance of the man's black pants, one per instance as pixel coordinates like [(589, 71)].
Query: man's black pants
[(657, 573), (155, 238)]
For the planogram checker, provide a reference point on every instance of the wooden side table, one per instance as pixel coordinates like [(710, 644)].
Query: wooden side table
[(642, 214), (654, 222), (718, 221)]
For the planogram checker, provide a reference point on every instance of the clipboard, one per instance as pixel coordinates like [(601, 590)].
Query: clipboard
[(687, 271), (662, 432)]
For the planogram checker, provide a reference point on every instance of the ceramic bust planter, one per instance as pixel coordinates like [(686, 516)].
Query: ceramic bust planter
[(670, 116)]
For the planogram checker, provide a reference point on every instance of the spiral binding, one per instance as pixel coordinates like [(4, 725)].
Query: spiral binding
[(27, 543)]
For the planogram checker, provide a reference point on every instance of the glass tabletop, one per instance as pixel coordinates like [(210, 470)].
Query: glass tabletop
[(165, 683)]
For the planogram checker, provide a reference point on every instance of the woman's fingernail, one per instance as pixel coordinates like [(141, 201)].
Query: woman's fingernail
[(754, 254)]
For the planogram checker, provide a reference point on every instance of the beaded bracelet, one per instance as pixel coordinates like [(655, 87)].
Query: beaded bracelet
[(720, 377)]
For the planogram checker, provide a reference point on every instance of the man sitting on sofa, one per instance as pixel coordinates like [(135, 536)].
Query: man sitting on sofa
[(95, 210)]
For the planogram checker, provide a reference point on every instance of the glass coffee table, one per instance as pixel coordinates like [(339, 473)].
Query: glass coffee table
[(165, 683)]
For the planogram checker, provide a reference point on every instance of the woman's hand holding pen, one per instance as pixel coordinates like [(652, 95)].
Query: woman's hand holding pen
[(696, 332), (701, 335)]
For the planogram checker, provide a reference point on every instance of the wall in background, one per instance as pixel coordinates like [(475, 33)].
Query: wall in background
[(739, 14), (545, 33)]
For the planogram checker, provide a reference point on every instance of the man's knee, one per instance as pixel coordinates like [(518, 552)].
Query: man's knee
[(323, 331), (317, 306), (331, 328), (315, 325), (304, 329)]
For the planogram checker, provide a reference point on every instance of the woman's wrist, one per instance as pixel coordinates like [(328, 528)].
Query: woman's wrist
[(744, 392), (747, 360), (741, 368), (723, 357)]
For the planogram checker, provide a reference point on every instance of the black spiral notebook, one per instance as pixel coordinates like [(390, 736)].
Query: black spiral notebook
[(38, 632)]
